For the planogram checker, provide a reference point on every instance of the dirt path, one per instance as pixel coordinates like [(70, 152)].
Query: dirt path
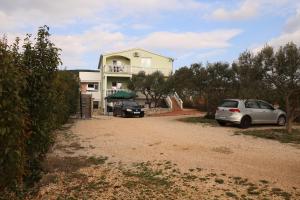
[(190, 146), (163, 158)]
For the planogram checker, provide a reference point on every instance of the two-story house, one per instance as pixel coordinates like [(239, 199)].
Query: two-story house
[(118, 67)]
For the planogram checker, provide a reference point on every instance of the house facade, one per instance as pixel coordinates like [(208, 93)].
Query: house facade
[(90, 83), (117, 68)]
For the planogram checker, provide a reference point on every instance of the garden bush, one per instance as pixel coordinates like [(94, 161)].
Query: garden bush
[(35, 99)]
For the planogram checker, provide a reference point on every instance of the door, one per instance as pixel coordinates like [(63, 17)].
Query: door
[(252, 108), (268, 114)]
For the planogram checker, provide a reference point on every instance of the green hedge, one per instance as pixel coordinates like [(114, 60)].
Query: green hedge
[(35, 99)]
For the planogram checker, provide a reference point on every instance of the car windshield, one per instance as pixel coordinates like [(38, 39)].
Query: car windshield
[(130, 103), (229, 104)]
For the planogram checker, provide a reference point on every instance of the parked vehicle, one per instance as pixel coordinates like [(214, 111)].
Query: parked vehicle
[(247, 112), (128, 108)]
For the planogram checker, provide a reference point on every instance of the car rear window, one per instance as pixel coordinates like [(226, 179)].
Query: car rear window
[(229, 104)]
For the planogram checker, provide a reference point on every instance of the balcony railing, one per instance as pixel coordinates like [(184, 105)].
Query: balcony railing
[(128, 69), (117, 69), (113, 91)]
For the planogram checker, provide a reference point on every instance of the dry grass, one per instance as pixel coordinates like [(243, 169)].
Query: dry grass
[(199, 120), (148, 180), (274, 134)]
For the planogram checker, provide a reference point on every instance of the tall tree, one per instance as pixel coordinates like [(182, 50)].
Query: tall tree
[(13, 121), (283, 72), (220, 79), (184, 84), (41, 58)]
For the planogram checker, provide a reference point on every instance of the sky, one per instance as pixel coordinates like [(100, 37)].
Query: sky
[(190, 31)]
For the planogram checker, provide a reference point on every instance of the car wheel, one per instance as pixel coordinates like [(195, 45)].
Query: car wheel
[(123, 114), (221, 123), (281, 120), (114, 114), (245, 122), (141, 115)]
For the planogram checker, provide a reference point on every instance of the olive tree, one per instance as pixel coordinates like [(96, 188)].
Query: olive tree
[(283, 72)]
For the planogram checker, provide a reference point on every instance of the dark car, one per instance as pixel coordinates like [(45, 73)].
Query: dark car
[(128, 108)]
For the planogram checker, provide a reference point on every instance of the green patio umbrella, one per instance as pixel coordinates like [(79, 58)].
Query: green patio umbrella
[(122, 95)]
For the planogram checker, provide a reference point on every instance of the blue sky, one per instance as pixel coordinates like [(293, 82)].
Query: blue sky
[(188, 30)]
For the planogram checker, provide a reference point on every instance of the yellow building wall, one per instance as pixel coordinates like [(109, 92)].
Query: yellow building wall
[(160, 63)]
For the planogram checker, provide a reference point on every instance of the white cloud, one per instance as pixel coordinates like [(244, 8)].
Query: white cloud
[(186, 40), (293, 23), (75, 47), (250, 9), (20, 14), (281, 40), (246, 10), (98, 40), (290, 33)]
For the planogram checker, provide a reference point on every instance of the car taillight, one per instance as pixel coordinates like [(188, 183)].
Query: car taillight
[(234, 110)]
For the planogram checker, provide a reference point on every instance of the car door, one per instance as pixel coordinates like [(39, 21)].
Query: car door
[(252, 108), (268, 114)]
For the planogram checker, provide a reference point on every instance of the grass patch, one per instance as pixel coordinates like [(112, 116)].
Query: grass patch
[(230, 194), (98, 160), (219, 180), (148, 176), (200, 120), (71, 164), (275, 134)]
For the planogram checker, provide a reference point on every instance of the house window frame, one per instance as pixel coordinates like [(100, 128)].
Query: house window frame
[(94, 88)]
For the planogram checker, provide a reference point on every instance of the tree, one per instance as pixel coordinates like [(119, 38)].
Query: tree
[(14, 121), (41, 59), (283, 72), (183, 82), (154, 86), (138, 84), (248, 77), (219, 84)]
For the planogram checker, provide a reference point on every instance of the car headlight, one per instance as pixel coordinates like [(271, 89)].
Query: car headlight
[(129, 110), (142, 109)]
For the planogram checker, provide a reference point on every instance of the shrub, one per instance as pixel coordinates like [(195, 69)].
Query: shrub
[(35, 99)]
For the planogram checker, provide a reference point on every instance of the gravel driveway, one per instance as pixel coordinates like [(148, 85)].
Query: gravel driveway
[(189, 146)]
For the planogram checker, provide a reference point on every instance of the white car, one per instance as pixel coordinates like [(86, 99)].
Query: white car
[(247, 112)]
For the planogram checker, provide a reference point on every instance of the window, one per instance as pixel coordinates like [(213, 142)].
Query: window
[(265, 105), (95, 104), (251, 104), (93, 87), (146, 62), (229, 104)]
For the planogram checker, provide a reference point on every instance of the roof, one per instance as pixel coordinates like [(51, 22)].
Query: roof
[(134, 49)]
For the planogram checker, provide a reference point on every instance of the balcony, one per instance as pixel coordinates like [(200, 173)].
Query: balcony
[(117, 69), (113, 91), (129, 70)]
